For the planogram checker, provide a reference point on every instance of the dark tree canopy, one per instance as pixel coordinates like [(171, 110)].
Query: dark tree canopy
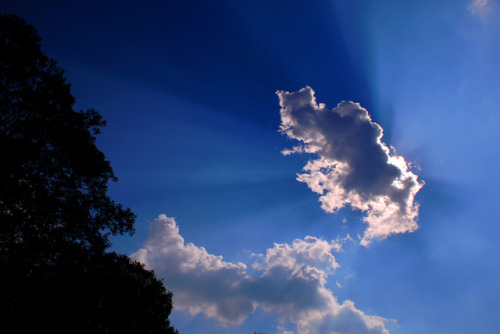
[(87, 293), (53, 177), (55, 215)]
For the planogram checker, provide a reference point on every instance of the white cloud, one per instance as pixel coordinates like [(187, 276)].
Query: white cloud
[(479, 7), (339, 243), (354, 167), (291, 283), (202, 282)]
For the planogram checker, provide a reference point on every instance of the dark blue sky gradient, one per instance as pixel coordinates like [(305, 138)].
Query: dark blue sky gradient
[(217, 53)]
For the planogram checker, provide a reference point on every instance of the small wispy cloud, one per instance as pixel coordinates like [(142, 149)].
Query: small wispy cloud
[(291, 283), (353, 166), (479, 7)]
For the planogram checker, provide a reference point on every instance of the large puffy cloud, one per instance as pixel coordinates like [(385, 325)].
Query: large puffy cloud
[(353, 166), (291, 282), (201, 282)]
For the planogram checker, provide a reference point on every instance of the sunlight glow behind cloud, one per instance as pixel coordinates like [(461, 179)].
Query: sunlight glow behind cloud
[(291, 283), (354, 167)]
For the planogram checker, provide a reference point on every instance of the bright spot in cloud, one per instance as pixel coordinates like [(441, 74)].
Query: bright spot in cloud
[(292, 282), (354, 167)]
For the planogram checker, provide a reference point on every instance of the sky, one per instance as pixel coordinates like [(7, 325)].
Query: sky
[(299, 166)]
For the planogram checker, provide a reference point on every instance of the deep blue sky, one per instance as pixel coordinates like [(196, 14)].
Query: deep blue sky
[(188, 91)]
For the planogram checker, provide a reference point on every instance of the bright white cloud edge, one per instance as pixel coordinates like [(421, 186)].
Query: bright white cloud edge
[(353, 166), (291, 283)]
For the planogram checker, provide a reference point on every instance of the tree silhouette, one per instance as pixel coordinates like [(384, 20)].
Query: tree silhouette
[(54, 178), (55, 215)]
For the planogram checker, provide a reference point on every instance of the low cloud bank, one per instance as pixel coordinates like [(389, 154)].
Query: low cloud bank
[(353, 166), (292, 282)]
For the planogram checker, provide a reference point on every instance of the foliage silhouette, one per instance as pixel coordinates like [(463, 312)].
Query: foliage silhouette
[(88, 293), (53, 177), (55, 215)]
